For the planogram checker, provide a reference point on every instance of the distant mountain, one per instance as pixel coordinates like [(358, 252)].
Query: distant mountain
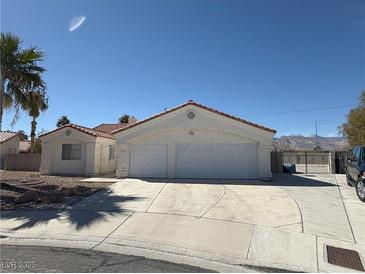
[(298, 142)]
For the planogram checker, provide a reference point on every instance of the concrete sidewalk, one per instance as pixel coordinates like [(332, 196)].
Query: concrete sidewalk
[(205, 225), (180, 239)]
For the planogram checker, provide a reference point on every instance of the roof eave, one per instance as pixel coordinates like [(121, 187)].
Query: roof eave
[(16, 135), (73, 126)]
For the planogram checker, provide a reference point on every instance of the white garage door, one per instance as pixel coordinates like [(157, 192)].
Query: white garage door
[(148, 161), (238, 161)]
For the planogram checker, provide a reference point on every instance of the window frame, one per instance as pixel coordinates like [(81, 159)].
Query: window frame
[(72, 156)]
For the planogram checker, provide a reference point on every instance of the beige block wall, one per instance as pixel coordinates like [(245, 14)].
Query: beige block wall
[(9, 146), (103, 163)]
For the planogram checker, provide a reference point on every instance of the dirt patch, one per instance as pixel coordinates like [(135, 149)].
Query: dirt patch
[(30, 190)]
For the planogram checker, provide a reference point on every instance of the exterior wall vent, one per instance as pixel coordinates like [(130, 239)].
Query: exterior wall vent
[(190, 114)]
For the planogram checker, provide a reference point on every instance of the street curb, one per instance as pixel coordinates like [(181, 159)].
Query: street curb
[(189, 259)]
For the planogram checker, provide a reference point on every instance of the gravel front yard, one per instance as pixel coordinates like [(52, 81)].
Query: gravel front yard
[(30, 190)]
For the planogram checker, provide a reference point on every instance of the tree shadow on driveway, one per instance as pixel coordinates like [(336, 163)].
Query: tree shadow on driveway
[(79, 218)]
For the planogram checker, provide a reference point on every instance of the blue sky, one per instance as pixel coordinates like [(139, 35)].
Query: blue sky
[(257, 59)]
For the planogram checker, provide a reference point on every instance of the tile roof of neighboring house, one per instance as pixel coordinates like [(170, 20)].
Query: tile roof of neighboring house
[(108, 128), (90, 131), (200, 106), (24, 146), (6, 135)]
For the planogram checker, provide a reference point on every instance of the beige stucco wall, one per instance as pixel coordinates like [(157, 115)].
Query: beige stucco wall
[(103, 162), (94, 154), (9, 146), (173, 128)]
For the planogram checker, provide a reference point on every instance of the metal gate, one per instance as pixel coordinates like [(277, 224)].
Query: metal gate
[(340, 161), (304, 161), (310, 161)]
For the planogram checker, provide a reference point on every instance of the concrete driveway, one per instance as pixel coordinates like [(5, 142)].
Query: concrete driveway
[(216, 224)]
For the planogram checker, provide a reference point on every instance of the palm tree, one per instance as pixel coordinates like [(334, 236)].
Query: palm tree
[(63, 120), (124, 119), (19, 70), (34, 102)]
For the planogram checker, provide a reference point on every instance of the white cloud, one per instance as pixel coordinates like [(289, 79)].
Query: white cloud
[(76, 22)]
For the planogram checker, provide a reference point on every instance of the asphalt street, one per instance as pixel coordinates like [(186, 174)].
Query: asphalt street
[(52, 259)]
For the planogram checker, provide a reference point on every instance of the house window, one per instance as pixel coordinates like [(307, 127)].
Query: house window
[(71, 151), (111, 152)]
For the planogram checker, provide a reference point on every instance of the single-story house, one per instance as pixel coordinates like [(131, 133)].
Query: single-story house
[(74, 149), (194, 141), (188, 141), (9, 144)]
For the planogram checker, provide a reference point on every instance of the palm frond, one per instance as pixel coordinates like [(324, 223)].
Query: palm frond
[(7, 101), (35, 102), (9, 45), (32, 54), (22, 76)]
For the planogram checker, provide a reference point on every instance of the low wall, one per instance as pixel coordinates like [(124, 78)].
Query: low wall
[(325, 169), (23, 162)]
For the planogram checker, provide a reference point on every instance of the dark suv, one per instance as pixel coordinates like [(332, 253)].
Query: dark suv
[(355, 170)]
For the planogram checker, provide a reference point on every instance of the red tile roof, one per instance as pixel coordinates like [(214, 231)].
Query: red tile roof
[(6, 135), (108, 128), (200, 106), (90, 131)]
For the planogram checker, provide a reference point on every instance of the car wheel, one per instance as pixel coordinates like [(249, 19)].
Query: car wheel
[(360, 189), (348, 179)]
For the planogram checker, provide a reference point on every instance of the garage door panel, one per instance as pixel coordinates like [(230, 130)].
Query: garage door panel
[(216, 161), (148, 160)]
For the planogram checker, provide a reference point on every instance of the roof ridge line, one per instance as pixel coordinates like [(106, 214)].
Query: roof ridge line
[(83, 129), (99, 125), (89, 128), (191, 102), (233, 117), (152, 117)]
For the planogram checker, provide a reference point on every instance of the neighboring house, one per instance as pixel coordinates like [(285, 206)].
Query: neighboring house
[(9, 144), (188, 141), (194, 141), (24, 146)]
